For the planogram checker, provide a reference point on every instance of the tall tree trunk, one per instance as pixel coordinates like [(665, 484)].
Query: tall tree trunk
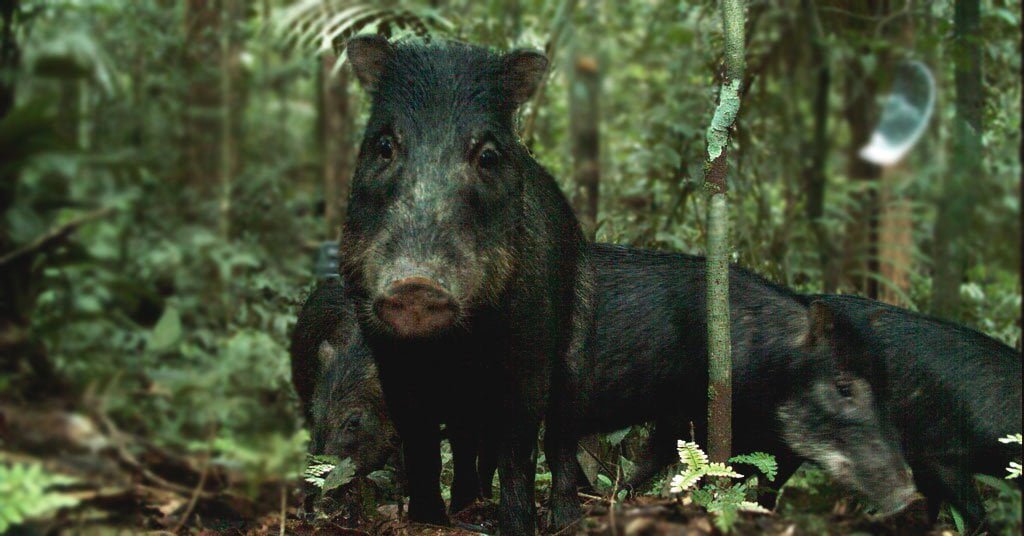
[(895, 213), (561, 20), (12, 322), (227, 140), (201, 151), (895, 237), (815, 177), (715, 171), (335, 140), (584, 125), (10, 55), (954, 210), (859, 258), (22, 355)]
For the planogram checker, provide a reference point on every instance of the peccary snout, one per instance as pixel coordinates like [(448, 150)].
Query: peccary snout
[(416, 307)]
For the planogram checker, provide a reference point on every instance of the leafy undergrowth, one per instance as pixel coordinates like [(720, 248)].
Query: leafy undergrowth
[(94, 478)]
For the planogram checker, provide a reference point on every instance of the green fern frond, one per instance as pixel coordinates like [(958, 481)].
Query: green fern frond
[(691, 454), (763, 461), (722, 470), (685, 480), (1013, 470), (751, 506), (29, 492), (1013, 438)]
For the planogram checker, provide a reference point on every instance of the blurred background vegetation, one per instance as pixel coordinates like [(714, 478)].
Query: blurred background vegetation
[(169, 167)]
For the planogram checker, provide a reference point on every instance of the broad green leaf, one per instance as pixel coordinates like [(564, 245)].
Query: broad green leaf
[(167, 331)]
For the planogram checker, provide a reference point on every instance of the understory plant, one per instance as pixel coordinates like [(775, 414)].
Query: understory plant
[(722, 498)]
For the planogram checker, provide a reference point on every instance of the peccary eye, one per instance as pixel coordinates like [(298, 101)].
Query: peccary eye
[(845, 388), (354, 421), (386, 147), (488, 158)]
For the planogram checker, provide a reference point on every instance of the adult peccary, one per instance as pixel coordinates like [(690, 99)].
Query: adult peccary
[(795, 387), (798, 392), (465, 263), (951, 393)]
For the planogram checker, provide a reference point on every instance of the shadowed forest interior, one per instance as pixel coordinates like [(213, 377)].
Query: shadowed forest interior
[(175, 176)]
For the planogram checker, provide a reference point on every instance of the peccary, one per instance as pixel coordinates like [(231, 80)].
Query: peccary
[(464, 261)]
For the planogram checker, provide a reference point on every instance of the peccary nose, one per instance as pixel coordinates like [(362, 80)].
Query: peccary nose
[(416, 307)]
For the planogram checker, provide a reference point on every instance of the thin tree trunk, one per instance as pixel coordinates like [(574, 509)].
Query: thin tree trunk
[(20, 350), (815, 177), (584, 121), (336, 124), (895, 238), (954, 211), (895, 215), (201, 150), (858, 259), (10, 55), (562, 17), (715, 171), (227, 130)]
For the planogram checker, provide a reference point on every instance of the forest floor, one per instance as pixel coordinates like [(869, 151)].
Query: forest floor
[(124, 484)]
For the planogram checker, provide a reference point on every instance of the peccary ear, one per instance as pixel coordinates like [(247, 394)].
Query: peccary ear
[(821, 323), (368, 55), (524, 72)]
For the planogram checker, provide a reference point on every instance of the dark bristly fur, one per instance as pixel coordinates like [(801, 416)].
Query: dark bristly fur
[(650, 364), (952, 393), (502, 241)]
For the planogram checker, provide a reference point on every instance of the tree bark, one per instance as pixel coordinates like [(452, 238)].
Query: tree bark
[(22, 355), (895, 238), (815, 177), (895, 213), (954, 211), (562, 17), (335, 140), (584, 125), (10, 55), (201, 150), (715, 182), (859, 257)]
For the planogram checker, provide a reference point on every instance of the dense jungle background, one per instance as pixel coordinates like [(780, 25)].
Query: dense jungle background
[(170, 168)]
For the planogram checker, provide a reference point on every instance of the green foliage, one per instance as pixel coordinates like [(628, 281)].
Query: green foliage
[(1014, 469), (721, 498), (328, 472), (181, 325), (763, 461), (1002, 504), (615, 438), (323, 25), (28, 492)]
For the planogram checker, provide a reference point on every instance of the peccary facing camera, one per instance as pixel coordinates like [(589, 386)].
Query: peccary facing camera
[(465, 263)]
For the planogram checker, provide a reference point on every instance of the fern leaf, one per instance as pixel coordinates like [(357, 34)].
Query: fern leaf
[(720, 469), (764, 462), (1012, 438), (751, 506), (1014, 470), (691, 454), (685, 480)]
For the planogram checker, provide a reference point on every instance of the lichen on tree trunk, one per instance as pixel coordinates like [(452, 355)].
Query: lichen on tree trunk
[(716, 185)]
